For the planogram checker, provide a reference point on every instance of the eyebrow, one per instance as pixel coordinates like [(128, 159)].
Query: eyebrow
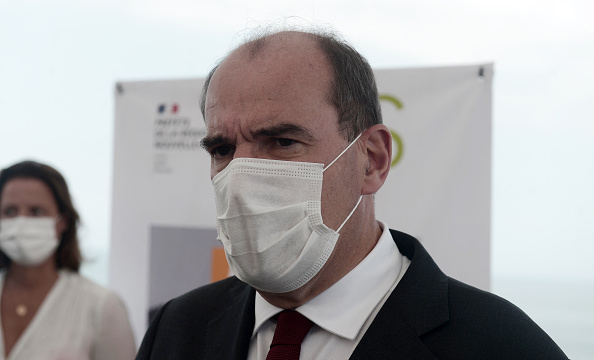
[(284, 129), (209, 142)]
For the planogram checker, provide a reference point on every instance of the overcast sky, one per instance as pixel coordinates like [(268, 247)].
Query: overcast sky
[(59, 61)]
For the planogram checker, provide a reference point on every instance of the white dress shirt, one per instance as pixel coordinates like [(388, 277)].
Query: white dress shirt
[(343, 312)]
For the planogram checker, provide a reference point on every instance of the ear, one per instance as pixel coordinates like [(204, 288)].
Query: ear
[(378, 148)]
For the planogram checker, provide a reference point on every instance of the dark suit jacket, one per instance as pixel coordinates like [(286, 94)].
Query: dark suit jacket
[(428, 316)]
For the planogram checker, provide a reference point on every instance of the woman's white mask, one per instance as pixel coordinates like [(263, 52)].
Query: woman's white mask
[(28, 241), (269, 221)]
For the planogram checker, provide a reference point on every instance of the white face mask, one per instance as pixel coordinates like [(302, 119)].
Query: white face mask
[(269, 221), (28, 240)]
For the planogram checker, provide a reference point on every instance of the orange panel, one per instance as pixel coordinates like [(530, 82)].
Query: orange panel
[(220, 268)]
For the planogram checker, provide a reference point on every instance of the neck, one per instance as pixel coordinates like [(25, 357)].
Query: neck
[(44, 274)]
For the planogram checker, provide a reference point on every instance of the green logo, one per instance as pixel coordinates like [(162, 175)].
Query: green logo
[(395, 136)]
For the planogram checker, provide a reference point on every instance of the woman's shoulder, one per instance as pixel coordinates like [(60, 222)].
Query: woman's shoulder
[(83, 286)]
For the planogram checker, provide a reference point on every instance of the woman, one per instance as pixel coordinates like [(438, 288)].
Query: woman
[(47, 310)]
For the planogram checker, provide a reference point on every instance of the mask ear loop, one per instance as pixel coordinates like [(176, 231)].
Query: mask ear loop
[(348, 217), (360, 197), (343, 151)]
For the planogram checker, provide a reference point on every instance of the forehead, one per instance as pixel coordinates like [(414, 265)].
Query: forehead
[(27, 191), (287, 77)]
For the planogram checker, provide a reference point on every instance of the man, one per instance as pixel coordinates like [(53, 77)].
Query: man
[(298, 152)]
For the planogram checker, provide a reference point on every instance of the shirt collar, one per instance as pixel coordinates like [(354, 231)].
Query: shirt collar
[(343, 308)]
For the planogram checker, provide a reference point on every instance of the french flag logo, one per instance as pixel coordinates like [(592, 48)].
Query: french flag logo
[(168, 109)]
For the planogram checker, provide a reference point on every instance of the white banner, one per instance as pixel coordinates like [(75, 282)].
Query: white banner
[(163, 227)]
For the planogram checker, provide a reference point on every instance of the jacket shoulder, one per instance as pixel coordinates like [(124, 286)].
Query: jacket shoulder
[(192, 325), (488, 326), (458, 321)]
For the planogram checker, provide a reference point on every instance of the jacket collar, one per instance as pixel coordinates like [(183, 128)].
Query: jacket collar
[(417, 305)]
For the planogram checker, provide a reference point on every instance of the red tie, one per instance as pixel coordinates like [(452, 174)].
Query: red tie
[(291, 329)]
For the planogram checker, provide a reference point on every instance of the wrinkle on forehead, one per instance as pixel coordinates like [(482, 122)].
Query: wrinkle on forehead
[(240, 107), (300, 58), (254, 124)]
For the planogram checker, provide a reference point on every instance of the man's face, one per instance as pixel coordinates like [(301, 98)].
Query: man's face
[(275, 106)]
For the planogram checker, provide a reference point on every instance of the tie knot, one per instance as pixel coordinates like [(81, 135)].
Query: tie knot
[(291, 328)]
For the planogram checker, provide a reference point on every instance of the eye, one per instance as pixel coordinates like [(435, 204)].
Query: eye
[(37, 211), (10, 211), (285, 142), (221, 151)]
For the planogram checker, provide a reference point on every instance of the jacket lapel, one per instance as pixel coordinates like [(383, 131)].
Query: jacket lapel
[(417, 305), (231, 332)]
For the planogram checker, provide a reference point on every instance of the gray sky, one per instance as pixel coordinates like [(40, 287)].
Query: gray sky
[(59, 61)]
